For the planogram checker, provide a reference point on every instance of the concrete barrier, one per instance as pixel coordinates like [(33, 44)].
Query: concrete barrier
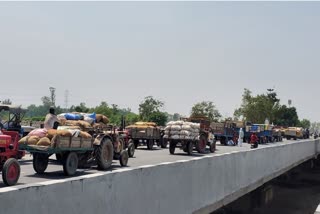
[(200, 185)]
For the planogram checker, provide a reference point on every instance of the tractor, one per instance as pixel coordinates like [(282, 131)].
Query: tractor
[(10, 133)]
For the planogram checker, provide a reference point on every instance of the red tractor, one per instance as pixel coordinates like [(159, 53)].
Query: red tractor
[(9, 153), (10, 133)]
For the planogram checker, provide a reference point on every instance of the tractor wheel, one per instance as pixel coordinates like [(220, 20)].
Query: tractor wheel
[(164, 143), (172, 147), (104, 154), (11, 172), (201, 144), (213, 147), (40, 162), (150, 144), (124, 157), (131, 148), (70, 164), (189, 147)]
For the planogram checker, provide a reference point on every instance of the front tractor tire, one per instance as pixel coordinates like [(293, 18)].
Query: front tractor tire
[(11, 172), (131, 148), (104, 154), (201, 144)]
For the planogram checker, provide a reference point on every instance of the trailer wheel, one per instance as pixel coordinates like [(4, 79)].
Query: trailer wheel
[(172, 147), (70, 164), (131, 148), (150, 144), (213, 147), (40, 162), (163, 143), (189, 147), (201, 144), (104, 154), (124, 156), (11, 172)]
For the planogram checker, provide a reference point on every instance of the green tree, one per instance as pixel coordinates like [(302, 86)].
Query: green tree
[(285, 116), (258, 108), (160, 118), (7, 102), (304, 123), (205, 109), (149, 106), (176, 117)]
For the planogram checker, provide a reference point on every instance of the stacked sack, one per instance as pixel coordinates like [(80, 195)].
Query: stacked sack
[(44, 137), (181, 130), (83, 120), (143, 125)]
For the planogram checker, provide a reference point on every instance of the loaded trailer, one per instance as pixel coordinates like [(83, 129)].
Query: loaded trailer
[(74, 152), (188, 136), (145, 133)]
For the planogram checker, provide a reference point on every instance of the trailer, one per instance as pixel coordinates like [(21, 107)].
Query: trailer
[(74, 152), (145, 133), (263, 132), (294, 133), (203, 137), (224, 131)]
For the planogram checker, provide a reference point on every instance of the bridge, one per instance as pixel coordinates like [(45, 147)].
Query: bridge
[(156, 182)]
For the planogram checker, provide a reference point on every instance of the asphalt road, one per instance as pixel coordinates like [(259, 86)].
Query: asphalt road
[(142, 157)]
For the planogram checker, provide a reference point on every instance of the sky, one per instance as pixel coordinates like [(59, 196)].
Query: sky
[(178, 52)]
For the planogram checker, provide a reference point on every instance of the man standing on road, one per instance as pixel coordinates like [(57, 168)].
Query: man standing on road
[(51, 121), (240, 139)]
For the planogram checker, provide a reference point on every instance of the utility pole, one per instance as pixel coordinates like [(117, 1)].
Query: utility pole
[(53, 95), (66, 98)]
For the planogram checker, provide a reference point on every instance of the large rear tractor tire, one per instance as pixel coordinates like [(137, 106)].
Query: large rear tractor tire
[(104, 154), (70, 164), (201, 144), (40, 162), (11, 172)]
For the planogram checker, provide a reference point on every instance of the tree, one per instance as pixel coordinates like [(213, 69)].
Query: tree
[(160, 118), (305, 123), (7, 102), (258, 108), (51, 100), (176, 116), (149, 106), (285, 116), (205, 109)]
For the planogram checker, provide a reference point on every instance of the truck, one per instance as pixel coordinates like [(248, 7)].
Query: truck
[(188, 143)]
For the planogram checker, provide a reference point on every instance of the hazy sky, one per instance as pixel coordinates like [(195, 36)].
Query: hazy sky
[(179, 52)]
